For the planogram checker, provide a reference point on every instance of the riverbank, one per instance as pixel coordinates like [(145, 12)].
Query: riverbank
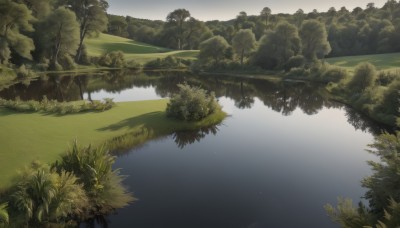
[(26, 137)]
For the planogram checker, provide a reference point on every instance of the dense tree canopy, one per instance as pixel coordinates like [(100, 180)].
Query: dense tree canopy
[(278, 46), (15, 18), (213, 49)]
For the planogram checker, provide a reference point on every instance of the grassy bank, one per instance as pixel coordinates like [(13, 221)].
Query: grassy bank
[(35, 136)]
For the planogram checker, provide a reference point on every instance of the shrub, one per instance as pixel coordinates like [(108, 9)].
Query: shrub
[(93, 167), (364, 77), (168, 62), (386, 77), (24, 72), (191, 103), (294, 62), (67, 62), (334, 74), (298, 72), (53, 106), (112, 59)]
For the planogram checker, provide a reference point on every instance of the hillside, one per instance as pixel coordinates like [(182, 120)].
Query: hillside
[(133, 50)]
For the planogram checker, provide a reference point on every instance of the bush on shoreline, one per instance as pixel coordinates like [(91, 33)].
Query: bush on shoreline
[(191, 104), (53, 106)]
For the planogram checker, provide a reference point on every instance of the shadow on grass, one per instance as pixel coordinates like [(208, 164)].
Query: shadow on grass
[(155, 125), (148, 120), (8, 112)]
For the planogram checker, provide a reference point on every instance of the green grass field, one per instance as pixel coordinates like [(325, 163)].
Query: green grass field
[(26, 137), (133, 50), (389, 61)]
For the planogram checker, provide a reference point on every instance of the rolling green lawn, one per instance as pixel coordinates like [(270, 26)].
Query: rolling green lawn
[(389, 61), (26, 137), (133, 50)]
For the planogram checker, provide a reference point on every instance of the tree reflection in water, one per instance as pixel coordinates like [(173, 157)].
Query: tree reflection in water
[(281, 96), (184, 138)]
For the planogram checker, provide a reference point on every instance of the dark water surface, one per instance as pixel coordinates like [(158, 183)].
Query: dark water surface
[(283, 152)]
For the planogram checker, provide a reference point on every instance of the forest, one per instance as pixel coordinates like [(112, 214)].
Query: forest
[(50, 34)]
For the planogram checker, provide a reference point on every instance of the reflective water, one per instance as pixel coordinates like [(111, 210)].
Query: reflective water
[(283, 152)]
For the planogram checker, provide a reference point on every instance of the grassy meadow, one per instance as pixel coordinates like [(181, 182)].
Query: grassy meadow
[(26, 137), (389, 61), (133, 50)]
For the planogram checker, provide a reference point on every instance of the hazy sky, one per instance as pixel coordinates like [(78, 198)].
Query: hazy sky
[(225, 9)]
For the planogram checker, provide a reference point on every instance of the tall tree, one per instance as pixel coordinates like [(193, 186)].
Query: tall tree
[(62, 34), (299, 17), (14, 19), (92, 18), (265, 15), (314, 40), (244, 43), (177, 20), (240, 20)]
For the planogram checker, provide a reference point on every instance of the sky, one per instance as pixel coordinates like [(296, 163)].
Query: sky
[(225, 9)]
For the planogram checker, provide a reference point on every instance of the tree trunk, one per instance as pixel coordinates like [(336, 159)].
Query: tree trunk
[(56, 51), (241, 57), (81, 38)]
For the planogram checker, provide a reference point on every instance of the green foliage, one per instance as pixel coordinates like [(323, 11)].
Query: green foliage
[(191, 104), (15, 18), (314, 40), (93, 167), (295, 62), (277, 47), (5, 52), (387, 77), (244, 43), (23, 72), (334, 74), (213, 49), (67, 62), (61, 35), (4, 218), (42, 195), (388, 107), (53, 106), (169, 62), (176, 21), (113, 59), (92, 18), (346, 215), (383, 190), (364, 76)]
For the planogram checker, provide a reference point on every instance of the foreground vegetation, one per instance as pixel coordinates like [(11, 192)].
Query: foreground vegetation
[(35, 136), (82, 185), (383, 209)]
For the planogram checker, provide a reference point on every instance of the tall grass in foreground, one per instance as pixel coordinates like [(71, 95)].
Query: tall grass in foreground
[(82, 185)]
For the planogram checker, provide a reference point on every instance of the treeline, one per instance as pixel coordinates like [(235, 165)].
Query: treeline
[(49, 33), (350, 31), (179, 31)]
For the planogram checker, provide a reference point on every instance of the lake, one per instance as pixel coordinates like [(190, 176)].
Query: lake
[(283, 152)]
